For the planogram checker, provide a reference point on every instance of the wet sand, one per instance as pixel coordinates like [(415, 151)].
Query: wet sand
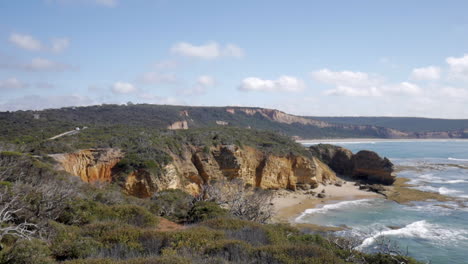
[(288, 205)]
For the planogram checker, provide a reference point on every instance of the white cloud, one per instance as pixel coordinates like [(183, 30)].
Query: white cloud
[(155, 99), (349, 83), (232, 50), (351, 91), (201, 87), (429, 73), (12, 83), (459, 93), (209, 50), (37, 102), (345, 78), (206, 81), (157, 78), (26, 42), (30, 43), (282, 84), (123, 88), (41, 64), (458, 66), (60, 44)]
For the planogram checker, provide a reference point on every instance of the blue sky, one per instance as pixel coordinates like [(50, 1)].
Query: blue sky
[(392, 58)]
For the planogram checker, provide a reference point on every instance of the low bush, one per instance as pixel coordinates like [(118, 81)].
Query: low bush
[(202, 211), (27, 252)]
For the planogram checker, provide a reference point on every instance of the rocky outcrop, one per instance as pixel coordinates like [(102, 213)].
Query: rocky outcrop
[(366, 165), (91, 165), (369, 166), (178, 125), (196, 167)]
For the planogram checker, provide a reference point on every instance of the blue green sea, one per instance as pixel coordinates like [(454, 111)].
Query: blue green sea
[(433, 232)]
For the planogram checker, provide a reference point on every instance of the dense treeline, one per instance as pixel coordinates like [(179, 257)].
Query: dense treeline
[(29, 126)]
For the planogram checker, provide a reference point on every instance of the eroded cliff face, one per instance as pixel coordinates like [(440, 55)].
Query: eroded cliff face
[(365, 165), (91, 165), (196, 167)]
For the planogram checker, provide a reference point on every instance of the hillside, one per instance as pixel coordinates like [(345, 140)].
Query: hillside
[(407, 124), (33, 126)]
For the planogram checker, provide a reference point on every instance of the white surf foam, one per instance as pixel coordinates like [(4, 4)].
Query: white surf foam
[(457, 159), (334, 207), (419, 229), (441, 190)]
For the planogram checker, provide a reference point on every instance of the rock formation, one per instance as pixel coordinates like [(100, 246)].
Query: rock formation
[(366, 165), (195, 167), (91, 165)]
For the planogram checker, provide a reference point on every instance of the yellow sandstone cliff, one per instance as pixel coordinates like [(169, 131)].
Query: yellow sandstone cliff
[(194, 168)]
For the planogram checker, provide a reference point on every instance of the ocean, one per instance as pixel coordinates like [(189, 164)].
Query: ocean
[(433, 232)]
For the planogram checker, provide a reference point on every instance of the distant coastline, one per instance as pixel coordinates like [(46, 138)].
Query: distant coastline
[(367, 140)]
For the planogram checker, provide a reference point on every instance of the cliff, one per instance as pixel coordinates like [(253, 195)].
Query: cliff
[(366, 165), (195, 167), (91, 165)]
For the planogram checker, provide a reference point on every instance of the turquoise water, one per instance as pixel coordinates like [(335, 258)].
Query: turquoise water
[(432, 231)]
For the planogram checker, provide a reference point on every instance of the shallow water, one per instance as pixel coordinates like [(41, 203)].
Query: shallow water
[(431, 231)]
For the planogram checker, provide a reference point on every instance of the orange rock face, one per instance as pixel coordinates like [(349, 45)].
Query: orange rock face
[(91, 165), (194, 168)]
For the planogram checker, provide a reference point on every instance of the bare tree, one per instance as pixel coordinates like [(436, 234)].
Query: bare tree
[(242, 201), (8, 211)]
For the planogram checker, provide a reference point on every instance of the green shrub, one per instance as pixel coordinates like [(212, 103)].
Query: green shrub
[(172, 204), (229, 224), (68, 243), (197, 238), (202, 211), (27, 252)]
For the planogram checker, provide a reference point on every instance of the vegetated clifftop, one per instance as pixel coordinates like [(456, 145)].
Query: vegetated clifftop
[(365, 165), (192, 169), (33, 126)]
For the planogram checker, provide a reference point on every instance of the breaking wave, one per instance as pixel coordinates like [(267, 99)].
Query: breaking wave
[(457, 159), (422, 230), (336, 206)]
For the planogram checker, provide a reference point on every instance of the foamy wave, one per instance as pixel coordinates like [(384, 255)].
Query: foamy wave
[(441, 190), (333, 207), (457, 159), (420, 229)]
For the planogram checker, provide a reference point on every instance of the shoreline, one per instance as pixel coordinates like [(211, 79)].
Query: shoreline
[(368, 140), (288, 205)]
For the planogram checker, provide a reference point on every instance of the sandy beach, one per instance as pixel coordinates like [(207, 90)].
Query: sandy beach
[(290, 204)]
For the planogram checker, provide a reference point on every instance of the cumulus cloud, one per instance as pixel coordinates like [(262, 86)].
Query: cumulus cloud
[(38, 102), (429, 73), (60, 44), (123, 88), (41, 64), (459, 93), (349, 83), (203, 83), (26, 42), (206, 81), (12, 83), (345, 78), (156, 99), (282, 84), (209, 50), (30, 43), (458, 66)]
